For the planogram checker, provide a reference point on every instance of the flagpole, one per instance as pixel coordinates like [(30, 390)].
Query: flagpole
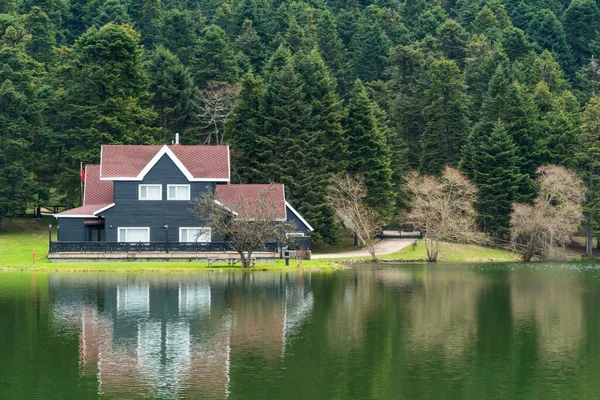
[(81, 179)]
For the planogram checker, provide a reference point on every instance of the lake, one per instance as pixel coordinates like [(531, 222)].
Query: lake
[(485, 331)]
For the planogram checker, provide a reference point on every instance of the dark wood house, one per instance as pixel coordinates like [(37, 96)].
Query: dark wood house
[(145, 193)]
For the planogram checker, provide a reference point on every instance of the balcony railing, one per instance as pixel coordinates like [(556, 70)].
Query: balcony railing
[(165, 247)]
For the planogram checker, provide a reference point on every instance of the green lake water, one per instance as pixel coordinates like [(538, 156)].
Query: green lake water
[(486, 331)]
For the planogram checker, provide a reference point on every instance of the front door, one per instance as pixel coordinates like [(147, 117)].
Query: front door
[(95, 233)]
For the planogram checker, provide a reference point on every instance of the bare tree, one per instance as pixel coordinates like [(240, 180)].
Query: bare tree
[(215, 106), (442, 208), (246, 224), (547, 226), (346, 196)]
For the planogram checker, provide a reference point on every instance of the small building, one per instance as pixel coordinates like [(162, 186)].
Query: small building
[(144, 194)]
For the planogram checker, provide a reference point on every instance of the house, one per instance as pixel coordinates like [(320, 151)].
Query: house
[(145, 193)]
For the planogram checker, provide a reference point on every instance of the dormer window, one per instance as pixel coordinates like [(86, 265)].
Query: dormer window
[(150, 192), (178, 192)]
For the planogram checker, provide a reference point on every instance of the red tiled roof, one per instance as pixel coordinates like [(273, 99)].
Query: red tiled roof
[(87, 210), (97, 191), (202, 162), (244, 199)]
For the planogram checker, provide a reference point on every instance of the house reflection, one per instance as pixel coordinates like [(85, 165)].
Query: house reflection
[(162, 338)]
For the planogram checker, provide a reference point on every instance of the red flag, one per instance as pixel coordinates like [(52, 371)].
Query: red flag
[(82, 175)]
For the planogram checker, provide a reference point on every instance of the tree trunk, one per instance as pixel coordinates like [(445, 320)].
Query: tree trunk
[(371, 250), (243, 258), (589, 235), (529, 252)]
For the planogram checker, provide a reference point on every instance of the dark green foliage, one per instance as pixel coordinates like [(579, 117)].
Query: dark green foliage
[(368, 152), (40, 47), (173, 89), (547, 33), (445, 113), (440, 77), (581, 21), (215, 58), (372, 48), (498, 178), (453, 41)]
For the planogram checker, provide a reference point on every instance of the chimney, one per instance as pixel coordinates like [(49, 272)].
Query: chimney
[(177, 138)]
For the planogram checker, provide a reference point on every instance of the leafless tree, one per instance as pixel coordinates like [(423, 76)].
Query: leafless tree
[(346, 196), (442, 208), (246, 224), (215, 103), (546, 226)]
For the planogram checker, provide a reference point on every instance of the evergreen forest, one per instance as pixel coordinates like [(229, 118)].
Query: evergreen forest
[(303, 90)]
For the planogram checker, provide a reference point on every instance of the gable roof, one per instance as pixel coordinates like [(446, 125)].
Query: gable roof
[(133, 162), (97, 191), (244, 199)]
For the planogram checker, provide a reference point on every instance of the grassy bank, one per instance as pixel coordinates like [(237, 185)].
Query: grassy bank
[(19, 237), (453, 252)]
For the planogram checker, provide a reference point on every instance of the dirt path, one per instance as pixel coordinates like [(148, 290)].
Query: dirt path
[(383, 247)]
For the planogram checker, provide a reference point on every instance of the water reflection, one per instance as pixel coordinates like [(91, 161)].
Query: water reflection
[(374, 332), (166, 338)]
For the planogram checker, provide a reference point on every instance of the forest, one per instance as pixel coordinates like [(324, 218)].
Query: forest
[(304, 90)]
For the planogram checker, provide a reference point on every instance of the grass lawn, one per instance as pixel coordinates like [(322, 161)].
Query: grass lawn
[(18, 237), (453, 252)]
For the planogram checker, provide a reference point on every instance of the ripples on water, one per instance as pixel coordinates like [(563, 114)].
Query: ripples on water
[(481, 331)]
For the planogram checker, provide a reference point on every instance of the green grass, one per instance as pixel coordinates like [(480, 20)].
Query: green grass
[(19, 237), (453, 252)]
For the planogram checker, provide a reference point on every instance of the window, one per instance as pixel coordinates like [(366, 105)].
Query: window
[(133, 235), (150, 192), (294, 234), (194, 235), (178, 192)]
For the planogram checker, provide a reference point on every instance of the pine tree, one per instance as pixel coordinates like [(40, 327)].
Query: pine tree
[(446, 117), (515, 43), (244, 131), (372, 49), (498, 178), (326, 108), (581, 20), (146, 14), (547, 33), (251, 47), (292, 152), (215, 58), (42, 42), (407, 75), (588, 157), (332, 49), (111, 11), (453, 41), (178, 34), (173, 89), (368, 152)]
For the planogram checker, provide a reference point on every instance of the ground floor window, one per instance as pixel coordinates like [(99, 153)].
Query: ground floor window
[(294, 234), (194, 234), (133, 235)]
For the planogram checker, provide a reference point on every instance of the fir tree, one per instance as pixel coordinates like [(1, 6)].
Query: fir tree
[(215, 58), (251, 47), (40, 47), (368, 152), (453, 41), (498, 178), (547, 33), (173, 89), (372, 48), (580, 23), (446, 117), (178, 34), (332, 48)]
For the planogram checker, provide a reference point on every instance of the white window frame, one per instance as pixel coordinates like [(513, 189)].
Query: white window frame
[(205, 228), (294, 234), (149, 185), (131, 227), (175, 199)]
